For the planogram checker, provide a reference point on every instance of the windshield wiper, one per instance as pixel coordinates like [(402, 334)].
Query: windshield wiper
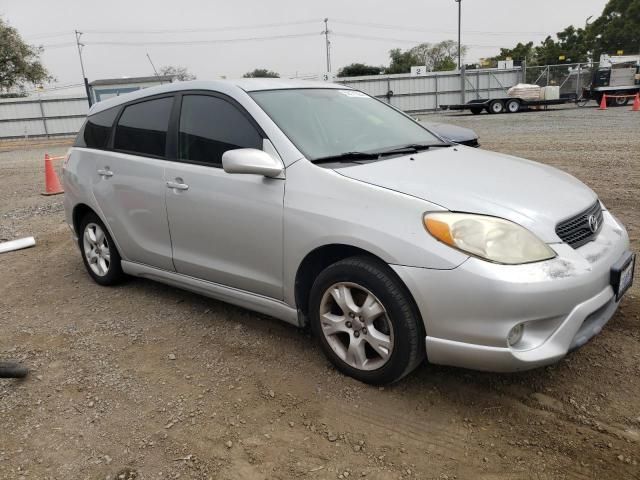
[(377, 154), (347, 156), (412, 148)]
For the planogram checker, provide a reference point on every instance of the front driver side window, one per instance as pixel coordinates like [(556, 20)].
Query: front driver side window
[(209, 126)]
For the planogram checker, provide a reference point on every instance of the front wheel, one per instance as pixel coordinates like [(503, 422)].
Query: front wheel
[(366, 321)]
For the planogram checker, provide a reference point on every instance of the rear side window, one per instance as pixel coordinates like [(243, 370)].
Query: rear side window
[(143, 126), (96, 132), (209, 126)]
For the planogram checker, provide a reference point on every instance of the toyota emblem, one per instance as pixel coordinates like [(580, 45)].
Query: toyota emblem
[(593, 223)]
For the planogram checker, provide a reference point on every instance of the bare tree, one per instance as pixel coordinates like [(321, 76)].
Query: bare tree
[(178, 73), (438, 56)]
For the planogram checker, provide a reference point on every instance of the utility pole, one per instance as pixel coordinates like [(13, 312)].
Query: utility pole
[(459, 2), (328, 43), (84, 77), (152, 65)]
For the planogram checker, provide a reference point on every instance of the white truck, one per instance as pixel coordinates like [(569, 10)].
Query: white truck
[(615, 76)]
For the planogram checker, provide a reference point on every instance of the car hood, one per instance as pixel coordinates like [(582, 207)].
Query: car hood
[(465, 179)]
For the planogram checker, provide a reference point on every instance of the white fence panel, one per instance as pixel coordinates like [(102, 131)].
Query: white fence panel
[(26, 117), (417, 94)]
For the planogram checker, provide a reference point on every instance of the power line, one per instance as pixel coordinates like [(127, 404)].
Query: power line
[(176, 30), (430, 30), (203, 30), (48, 35), (199, 42), (399, 40), (59, 45)]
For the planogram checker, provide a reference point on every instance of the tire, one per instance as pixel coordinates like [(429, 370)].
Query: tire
[(392, 324), (619, 102), (99, 253), (476, 111), (512, 106), (496, 106)]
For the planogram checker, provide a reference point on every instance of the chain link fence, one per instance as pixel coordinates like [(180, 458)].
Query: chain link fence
[(571, 78)]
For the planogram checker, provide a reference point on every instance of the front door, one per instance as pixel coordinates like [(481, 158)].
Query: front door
[(225, 228)]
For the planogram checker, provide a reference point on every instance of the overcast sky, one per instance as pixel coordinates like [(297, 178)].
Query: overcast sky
[(486, 25)]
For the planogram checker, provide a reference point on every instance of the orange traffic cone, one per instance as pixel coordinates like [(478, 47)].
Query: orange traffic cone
[(603, 103), (636, 103), (51, 181)]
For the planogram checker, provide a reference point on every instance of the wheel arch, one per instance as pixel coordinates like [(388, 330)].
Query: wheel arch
[(79, 212), (320, 258)]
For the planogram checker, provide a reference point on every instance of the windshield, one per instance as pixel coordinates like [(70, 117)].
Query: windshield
[(324, 122)]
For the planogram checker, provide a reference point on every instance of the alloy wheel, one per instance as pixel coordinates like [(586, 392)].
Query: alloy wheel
[(96, 249), (356, 327)]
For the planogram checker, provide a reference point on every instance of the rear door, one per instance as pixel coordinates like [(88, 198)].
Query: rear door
[(129, 184), (225, 228)]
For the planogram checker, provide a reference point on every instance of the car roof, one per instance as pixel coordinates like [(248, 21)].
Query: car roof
[(222, 86)]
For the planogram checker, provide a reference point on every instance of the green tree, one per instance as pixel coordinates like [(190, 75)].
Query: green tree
[(618, 28), (359, 69), (261, 73), (548, 52), (178, 73), (20, 63), (522, 51), (401, 62)]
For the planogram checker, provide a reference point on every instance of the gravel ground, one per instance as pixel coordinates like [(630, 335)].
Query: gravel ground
[(146, 381)]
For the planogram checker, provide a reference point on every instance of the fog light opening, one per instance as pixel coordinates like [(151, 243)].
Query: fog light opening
[(515, 335)]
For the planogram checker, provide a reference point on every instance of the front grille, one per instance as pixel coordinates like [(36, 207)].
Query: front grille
[(577, 230)]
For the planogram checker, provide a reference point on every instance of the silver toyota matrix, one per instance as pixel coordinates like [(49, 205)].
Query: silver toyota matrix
[(324, 207)]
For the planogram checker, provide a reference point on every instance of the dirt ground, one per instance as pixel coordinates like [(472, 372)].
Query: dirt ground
[(147, 381)]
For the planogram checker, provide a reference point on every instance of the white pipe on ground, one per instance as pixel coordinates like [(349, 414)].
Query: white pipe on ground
[(18, 244)]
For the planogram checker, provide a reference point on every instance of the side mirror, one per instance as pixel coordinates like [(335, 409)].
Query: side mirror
[(251, 160)]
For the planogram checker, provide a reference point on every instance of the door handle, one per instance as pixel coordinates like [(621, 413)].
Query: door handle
[(178, 185), (105, 172)]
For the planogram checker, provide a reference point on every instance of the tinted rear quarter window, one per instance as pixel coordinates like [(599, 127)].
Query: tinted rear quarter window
[(209, 126), (142, 127), (96, 131)]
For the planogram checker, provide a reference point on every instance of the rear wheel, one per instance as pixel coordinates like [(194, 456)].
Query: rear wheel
[(366, 321), (99, 253), (496, 106), (476, 110), (620, 101), (513, 106)]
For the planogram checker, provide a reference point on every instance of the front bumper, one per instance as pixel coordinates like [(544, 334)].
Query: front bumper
[(468, 311)]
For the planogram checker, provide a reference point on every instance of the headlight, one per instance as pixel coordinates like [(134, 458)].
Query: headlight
[(490, 238)]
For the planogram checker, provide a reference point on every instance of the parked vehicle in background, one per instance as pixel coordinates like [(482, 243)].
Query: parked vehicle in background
[(508, 104), (618, 77), (454, 133), (322, 206)]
